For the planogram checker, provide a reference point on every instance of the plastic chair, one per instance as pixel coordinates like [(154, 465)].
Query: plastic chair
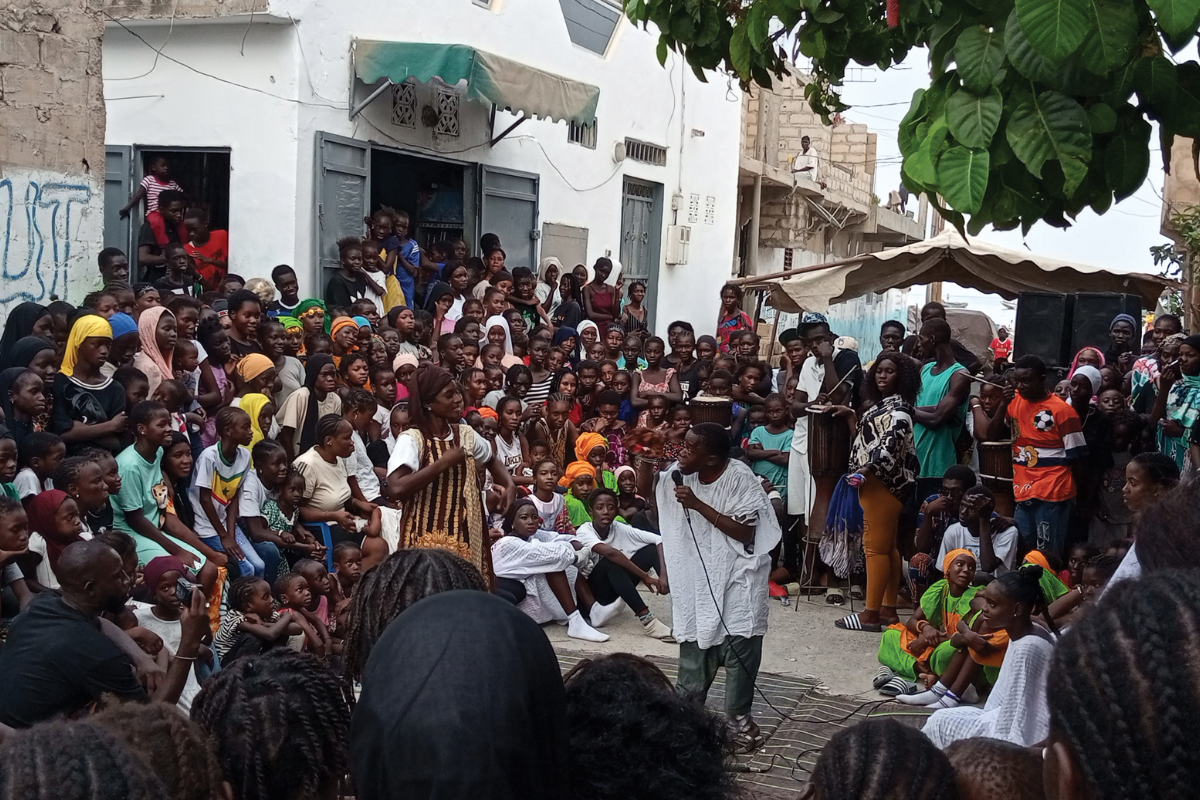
[(322, 532)]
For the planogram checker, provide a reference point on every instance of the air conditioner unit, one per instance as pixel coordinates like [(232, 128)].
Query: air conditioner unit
[(679, 240)]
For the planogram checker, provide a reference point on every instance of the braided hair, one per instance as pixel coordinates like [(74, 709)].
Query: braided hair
[(390, 587), (1124, 696), (240, 591), (1167, 531), (882, 759), (180, 752), (281, 722), (1024, 586), (73, 761)]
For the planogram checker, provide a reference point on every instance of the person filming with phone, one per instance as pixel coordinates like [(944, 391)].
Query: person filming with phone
[(718, 528)]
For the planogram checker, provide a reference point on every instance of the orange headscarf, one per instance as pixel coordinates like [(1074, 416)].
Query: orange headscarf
[(1036, 557), (575, 469), (953, 554), (488, 413), (586, 442), (342, 322)]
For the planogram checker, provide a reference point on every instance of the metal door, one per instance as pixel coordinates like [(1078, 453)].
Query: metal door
[(343, 198), (509, 208), (641, 224), (118, 185)]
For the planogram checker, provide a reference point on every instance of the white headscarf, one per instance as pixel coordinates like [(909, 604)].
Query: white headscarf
[(1092, 374), (544, 267), (497, 321), (587, 323)]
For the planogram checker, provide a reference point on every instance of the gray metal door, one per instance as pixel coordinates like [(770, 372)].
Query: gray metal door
[(343, 198), (508, 207), (641, 228), (118, 185)]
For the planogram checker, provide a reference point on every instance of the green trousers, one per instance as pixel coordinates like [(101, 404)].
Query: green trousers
[(741, 657)]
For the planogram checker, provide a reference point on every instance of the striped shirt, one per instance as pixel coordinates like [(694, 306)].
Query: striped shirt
[(154, 188), (228, 633), (539, 391), (1049, 437)]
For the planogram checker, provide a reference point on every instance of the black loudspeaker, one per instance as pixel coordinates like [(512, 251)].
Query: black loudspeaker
[(1044, 327), (1094, 314)]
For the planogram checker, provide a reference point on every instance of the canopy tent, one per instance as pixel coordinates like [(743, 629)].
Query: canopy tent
[(947, 257), (488, 78)]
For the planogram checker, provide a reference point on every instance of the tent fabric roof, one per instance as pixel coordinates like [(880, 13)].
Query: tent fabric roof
[(948, 257), (489, 78)]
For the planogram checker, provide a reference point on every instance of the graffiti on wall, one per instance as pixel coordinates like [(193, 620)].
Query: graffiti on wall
[(49, 235)]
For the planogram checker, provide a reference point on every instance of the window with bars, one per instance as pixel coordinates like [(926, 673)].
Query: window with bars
[(584, 135), (645, 152), (447, 112), (404, 105)]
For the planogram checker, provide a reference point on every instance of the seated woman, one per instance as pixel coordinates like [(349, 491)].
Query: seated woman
[(921, 646), (1016, 710), (327, 495), (542, 567), (622, 556)]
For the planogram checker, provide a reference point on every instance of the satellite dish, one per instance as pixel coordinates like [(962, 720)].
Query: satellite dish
[(618, 152)]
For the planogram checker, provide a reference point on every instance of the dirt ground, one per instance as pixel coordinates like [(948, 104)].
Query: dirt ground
[(800, 641)]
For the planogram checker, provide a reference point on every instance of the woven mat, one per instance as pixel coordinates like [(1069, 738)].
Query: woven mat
[(797, 722)]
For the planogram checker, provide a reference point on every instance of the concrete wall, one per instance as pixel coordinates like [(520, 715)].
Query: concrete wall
[(303, 74), (51, 149), (181, 9)]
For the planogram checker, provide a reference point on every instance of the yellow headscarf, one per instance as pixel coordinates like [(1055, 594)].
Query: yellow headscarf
[(253, 404), (586, 443), (253, 365), (85, 326)]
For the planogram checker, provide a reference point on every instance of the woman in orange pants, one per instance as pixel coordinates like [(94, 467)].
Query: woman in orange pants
[(885, 461)]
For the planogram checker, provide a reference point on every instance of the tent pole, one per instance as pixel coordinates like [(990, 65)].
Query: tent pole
[(358, 109)]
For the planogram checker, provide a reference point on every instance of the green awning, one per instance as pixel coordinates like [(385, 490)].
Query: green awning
[(508, 84)]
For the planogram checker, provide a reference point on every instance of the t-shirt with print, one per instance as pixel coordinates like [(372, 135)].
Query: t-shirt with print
[(222, 478), (143, 488), (622, 537), (1048, 438), (1002, 349), (82, 402)]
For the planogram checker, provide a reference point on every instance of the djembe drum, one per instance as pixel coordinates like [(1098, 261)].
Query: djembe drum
[(828, 460), (712, 409), (996, 473)]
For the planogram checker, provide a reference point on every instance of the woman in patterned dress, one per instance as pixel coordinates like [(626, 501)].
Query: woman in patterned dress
[(884, 460)]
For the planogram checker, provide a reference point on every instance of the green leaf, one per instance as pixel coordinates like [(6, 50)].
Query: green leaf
[(1126, 162), (1102, 119), (661, 51), (1114, 33), (1185, 109), (1155, 83), (1052, 126), (973, 119), (963, 177), (1027, 61), (908, 125), (826, 15), (921, 165), (812, 41), (1176, 17), (1055, 28), (979, 53), (758, 23), (683, 27), (739, 52)]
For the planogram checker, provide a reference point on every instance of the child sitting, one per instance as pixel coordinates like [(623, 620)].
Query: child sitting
[(39, 455), (548, 502), (213, 493), (174, 395), (54, 524), (252, 625), (580, 480), (281, 514), (347, 564), (593, 448), (268, 478), (994, 547), (296, 595), (162, 576), (541, 567), (1095, 574), (629, 502)]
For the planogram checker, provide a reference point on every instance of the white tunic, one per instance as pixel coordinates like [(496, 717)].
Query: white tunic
[(738, 572), (802, 489), (1016, 711), (528, 561)]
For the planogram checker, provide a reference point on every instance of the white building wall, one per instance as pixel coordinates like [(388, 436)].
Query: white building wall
[(273, 141)]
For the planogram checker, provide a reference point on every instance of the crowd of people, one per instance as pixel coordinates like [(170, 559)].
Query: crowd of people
[(252, 507)]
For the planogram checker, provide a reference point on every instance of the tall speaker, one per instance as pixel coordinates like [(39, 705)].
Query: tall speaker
[(1044, 327), (1094, 315)]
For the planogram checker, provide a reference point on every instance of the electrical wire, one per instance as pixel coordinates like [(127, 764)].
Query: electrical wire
[(157, 53), (189, 67)]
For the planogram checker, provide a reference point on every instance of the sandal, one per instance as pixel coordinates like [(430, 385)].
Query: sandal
[(857, 592), (884, 675), (853, 623), (897, 686), (835, 597)]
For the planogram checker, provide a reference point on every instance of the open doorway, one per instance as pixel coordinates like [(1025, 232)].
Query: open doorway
[(434, 193), (203, 174)]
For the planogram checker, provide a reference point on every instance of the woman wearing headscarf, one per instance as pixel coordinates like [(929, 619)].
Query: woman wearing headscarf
[(567, 339), (487, 720), (313, 317), (51, 528), (1087, 356), (23, 400), (298, 415), (438, 300), (435, 464), (1123, 342), (344, 333), (35, 353), (496, 331), (546, 290), (253, 404), (89, 408), (158, 332), (27, 319), (1177, 406), (127, 340)]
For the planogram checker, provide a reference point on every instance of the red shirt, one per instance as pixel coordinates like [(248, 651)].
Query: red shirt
[(216, 248), (1002, 349)]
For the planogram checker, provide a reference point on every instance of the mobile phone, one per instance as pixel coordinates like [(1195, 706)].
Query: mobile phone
[(183, 591)]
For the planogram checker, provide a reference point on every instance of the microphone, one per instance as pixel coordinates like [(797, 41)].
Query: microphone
[(677, 477)]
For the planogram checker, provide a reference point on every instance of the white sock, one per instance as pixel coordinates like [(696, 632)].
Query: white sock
[(948, 700), (577, 628), (602, 615), (923, 698)]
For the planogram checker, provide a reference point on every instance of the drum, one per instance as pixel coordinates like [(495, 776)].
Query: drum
[(712, 409), (828, 445), (996, 466)]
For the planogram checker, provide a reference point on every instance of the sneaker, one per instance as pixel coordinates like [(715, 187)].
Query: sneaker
[(602, 615), (656, 630), (577, 628)]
